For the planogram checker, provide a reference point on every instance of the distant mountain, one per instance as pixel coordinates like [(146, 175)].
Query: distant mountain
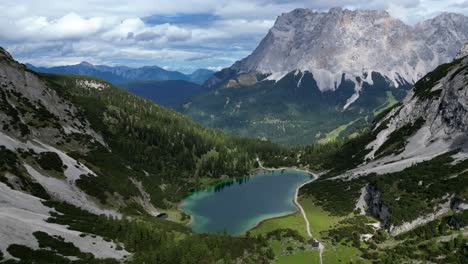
[(200, 76), (169, 93), (317, 75), (119, 74), (355, 44)]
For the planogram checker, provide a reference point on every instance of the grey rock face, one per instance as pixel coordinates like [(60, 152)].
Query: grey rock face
[(355, 43), (445, 115), (48, 116), (463, 52), (375, 206)]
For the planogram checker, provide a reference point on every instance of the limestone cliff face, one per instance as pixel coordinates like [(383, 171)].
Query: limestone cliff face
[(354, 43), (375, 206), (32, 110)]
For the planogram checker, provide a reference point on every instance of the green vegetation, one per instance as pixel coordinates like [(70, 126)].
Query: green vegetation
[(43, 256), (436, 228), (50, 161), (453, 250), (336, 254), (338, 233), (422, 88), (148, 139), (337, 197), (396, 141), (378, 117), (319, 219), (22, 113), (57, 244), (391, 101), (333, 135), (421, 187), (294, 222), (301, 257), (9, 162), (289, 246), (153, 240), (290, 114), (341, 155)]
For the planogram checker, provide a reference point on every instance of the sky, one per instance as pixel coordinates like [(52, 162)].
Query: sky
[(179, 35)]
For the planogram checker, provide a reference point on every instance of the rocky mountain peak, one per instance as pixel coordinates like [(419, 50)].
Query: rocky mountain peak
[(355, 43), (446, 17), (5, 54), (86, 64), (336, 10)]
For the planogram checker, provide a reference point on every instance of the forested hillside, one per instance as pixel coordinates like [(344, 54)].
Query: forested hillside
[(171, 93), (175, 151), (79, 152)]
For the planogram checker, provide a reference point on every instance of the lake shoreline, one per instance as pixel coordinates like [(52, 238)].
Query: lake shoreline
[(262, 169), (294, 168), (296, 203)]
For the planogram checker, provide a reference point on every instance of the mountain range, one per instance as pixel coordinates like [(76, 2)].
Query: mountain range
[(167, 88), (120, 74), (86, 168), (93, 173), (316, 75)]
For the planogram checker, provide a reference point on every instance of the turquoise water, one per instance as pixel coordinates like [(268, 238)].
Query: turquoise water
[(238, 205)]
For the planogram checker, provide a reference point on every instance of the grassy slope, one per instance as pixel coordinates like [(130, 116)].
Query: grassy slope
[(320, 221), (339, 131), (294, 222), (391, 101), (302, 257), (334, 134)]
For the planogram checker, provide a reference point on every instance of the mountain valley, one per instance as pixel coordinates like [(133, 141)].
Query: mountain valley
[(343, 138)]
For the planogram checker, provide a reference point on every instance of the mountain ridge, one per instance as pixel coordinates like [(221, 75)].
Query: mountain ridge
[(319, 42), (119, 74), (360, 61)]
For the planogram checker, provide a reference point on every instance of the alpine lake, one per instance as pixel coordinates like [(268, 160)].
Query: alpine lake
[(238, 205)]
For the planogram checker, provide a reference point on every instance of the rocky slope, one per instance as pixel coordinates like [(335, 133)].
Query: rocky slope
[(35, 120), (436, 118)]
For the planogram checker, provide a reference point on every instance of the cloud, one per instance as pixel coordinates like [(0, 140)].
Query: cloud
[(38, 28), (184, 34)]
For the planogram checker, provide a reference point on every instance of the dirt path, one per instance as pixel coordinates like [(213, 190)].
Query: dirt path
[(309, 233)]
